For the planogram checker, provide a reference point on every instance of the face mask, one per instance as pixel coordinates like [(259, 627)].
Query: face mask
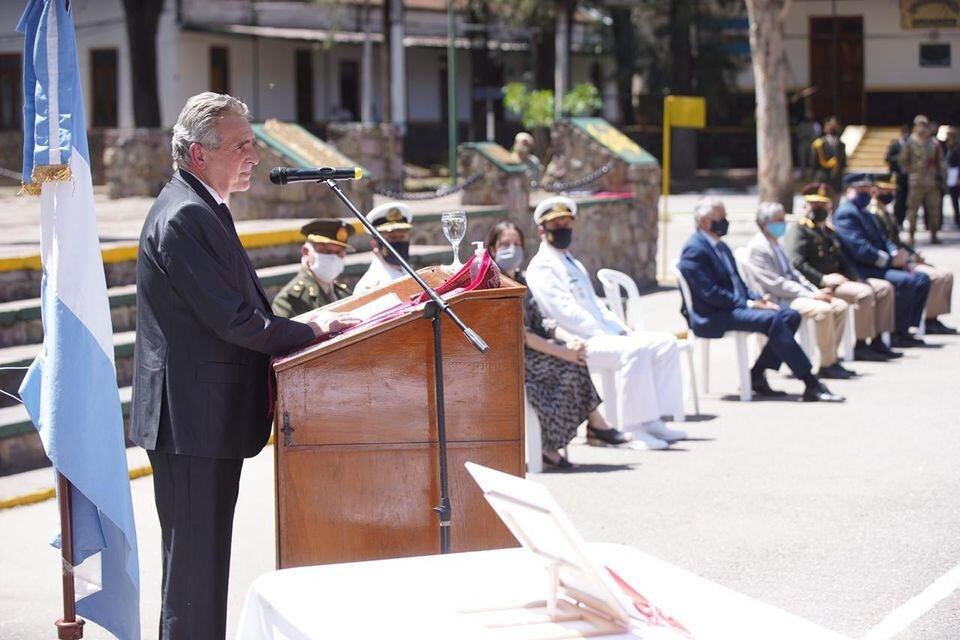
[(885, 198), (777, 229), (861, 200), (509, 257), (719, 227), (560, 238), (326, 266), (402, 247), (819, 214)]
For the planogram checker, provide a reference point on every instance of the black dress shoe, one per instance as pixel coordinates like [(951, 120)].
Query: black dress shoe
[(818, 392), (937, 328), (869, 354), (835, 372), (905, 341), (763, 389), (879, 347)]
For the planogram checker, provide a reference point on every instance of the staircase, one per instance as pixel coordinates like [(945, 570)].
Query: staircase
[(868, 157)]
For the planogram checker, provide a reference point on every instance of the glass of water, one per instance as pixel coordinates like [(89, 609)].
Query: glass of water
[(454, 225)]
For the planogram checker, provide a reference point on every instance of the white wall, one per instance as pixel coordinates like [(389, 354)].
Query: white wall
[(891, 54)]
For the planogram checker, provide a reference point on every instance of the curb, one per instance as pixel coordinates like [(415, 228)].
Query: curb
[(42, 495)]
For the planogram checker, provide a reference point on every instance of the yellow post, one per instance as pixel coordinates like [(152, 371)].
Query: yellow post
[(678, 111)]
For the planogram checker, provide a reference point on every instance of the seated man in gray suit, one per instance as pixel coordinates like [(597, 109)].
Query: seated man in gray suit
[(771, 272)]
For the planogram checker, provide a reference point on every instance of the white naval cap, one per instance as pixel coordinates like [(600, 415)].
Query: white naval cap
[(556, 207), (391, 216)]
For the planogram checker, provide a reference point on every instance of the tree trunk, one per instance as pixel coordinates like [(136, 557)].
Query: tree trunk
[(774, 166), (625, 55), (142, 20)]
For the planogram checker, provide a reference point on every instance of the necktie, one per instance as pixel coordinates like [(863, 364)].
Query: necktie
[(223, 212), (728, 262)]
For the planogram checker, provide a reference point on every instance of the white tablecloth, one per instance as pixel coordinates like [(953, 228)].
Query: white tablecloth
[(420, 597)]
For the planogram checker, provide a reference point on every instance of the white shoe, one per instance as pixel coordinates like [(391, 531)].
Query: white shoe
[(658, 429), (643, 441)]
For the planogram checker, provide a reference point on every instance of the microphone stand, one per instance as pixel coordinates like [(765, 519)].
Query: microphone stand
[(433, 310)]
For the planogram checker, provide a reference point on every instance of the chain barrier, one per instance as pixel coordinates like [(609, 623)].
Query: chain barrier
[(558, 187), (13, 175), (441, 192)]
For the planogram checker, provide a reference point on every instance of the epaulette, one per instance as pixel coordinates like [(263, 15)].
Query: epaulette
[(829, 225), (298, 287), (817, 143), (807, 222), (341, 286), (312, 291)]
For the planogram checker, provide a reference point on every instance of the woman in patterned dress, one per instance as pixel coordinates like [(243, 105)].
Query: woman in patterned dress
[(556, 377)]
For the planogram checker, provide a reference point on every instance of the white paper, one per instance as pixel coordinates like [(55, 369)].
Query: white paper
[(372, 308)]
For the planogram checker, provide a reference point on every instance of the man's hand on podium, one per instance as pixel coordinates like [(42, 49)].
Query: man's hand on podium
[(325, 322)]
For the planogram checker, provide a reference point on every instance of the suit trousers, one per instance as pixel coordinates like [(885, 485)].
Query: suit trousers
[(647, 366), (830, 319), (779, 327), (911, 290), (941, 290), (900, 203), (873, 305), (195, 500)]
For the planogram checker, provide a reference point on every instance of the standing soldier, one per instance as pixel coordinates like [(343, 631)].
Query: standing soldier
[(921, 160), (829, 157), (321, 262), (814, 250)]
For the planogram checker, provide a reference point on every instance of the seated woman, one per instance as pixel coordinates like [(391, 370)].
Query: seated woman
[(558, 384)]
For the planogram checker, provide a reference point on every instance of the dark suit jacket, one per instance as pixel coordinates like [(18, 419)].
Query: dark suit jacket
[(862, 239), (711, 287), (205, 332)]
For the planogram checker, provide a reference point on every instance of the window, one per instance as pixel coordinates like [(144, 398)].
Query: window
[(935, 55), (219, 69), (349, 90), (11, 104), (103, 63), (303, 69)]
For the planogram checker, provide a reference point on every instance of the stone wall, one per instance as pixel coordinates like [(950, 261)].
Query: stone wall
[(378, 148), (136, 162), (497, 186), (11, 153), (302, 200)]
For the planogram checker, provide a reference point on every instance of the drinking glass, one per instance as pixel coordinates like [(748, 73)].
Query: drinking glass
[(454, 225)]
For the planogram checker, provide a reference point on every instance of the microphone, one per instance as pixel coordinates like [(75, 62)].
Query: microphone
[(286, 175)]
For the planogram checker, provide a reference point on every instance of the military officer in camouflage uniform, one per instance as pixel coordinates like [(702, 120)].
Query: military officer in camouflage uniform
[(814, 250), (922, 161), (321, 262), (829, 156), (941, 282)]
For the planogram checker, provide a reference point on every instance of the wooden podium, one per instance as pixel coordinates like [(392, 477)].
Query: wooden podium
[(357, 473)]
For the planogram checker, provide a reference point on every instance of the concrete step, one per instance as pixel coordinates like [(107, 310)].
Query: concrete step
[(20, 322), (20, 446)]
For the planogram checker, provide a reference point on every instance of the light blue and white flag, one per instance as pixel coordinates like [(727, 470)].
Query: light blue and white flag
[(71, 390)]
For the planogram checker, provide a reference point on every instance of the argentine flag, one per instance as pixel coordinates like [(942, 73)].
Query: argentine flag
[(70, 390)]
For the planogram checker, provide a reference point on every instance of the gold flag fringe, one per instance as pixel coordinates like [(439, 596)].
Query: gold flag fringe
[(45, 173)]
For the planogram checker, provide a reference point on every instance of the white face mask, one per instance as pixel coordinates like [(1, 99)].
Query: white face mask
[(326, 266), (509, 257)]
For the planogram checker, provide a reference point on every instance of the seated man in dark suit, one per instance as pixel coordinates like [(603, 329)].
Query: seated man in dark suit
[(876, 256), (722, 302)]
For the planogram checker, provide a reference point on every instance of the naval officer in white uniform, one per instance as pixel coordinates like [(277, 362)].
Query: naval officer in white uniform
[(647, 363), (394, 220)]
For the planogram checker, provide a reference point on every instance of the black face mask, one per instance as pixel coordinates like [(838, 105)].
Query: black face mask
[(560, 238), (819, 214), (885, 198), (719, 227), (402, 247)]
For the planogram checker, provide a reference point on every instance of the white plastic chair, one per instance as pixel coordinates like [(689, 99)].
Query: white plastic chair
[(806, 334), (531, 427), (849, 340), (739, 338), (612, 282)]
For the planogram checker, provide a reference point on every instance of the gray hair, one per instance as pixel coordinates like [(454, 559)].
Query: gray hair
[(767, 210), (704, 207), (198, 121)]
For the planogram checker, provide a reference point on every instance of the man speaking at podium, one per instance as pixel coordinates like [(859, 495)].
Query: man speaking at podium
[(205, 334)]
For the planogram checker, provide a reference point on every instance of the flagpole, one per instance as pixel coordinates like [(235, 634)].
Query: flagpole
[(69, 627)]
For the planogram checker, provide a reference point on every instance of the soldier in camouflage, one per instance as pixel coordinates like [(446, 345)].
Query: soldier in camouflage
[(922, 161)]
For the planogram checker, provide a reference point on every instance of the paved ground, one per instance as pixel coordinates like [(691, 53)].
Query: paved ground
[(839, 514)]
